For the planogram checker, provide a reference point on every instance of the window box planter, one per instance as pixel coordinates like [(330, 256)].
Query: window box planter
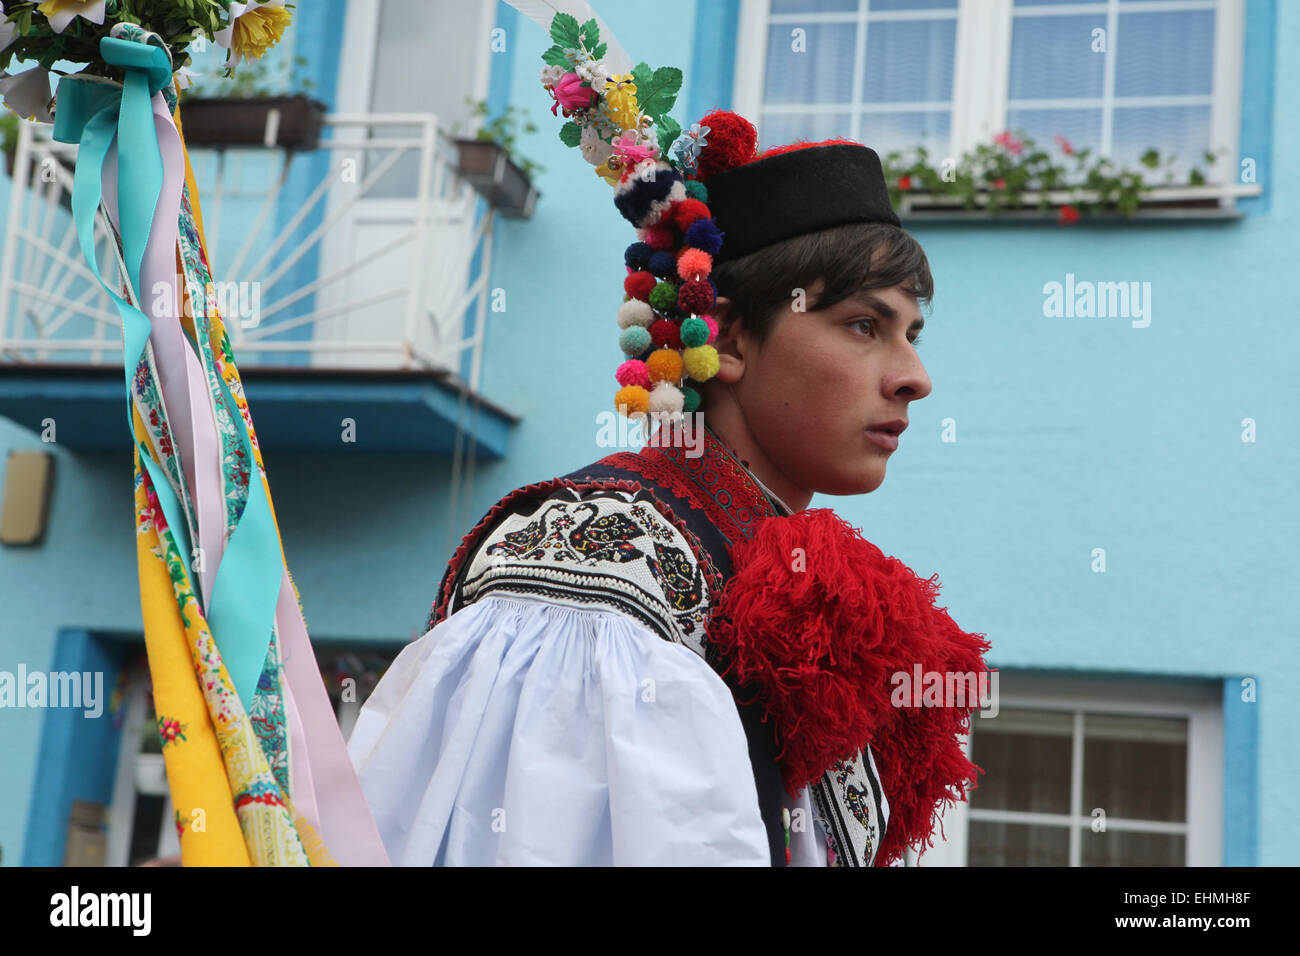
[(1159, 202), (274, 122), (487, 167)]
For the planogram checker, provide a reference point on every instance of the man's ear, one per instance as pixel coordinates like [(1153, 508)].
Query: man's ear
[(730, 347)]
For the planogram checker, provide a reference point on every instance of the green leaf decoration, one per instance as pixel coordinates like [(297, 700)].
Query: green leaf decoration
[(656, 93), (564, 30), (570, 134), (668, 129), (590, 35), (555, 57), (599, 52)]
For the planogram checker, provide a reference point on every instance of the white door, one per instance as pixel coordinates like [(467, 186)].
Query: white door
[(386, 280)]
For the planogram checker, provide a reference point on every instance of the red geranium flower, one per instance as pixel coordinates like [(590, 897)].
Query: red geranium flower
[(1067, 215), (905, 183), (999, 183), (1065, 145)]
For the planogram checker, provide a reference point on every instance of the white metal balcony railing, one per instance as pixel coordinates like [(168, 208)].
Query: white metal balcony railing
[(390, 287)]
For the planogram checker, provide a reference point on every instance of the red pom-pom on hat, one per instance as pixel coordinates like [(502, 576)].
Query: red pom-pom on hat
[(665, 333), (686, 212), (731, 141), (638, 285), (660, 237)]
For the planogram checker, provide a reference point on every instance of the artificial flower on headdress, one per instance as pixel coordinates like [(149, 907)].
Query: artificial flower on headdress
[(594, 149), (551, 75), (631, 152), (255, 26), (689, 146), (28, 93), (571, 94), (620, 100), (62, 12)]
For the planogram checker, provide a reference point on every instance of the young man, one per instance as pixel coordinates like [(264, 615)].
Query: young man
[(664, 657)]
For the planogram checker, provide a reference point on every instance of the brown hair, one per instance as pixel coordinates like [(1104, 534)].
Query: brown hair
[(848, 258)]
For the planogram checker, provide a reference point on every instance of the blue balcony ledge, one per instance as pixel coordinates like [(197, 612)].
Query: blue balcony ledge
[(294, 409)]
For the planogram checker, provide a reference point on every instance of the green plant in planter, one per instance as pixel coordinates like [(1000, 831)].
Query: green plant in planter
[(253, 78), (503, 130), (8, 131), (1003, 171)]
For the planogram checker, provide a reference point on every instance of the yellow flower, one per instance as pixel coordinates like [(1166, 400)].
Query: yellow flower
[(620, 97), (610, 176), (60, 13), (258, 30)]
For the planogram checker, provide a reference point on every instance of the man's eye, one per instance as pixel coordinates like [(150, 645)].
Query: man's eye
[(916, 342), (869, 323)]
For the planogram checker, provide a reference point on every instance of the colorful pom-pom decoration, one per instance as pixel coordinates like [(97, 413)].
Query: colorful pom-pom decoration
[(712, 323), (632, 400), (695, 297), (635, 312), (694, 264), (633, 372), (665, 333), (732, 141), (704, 234), (637, 255), (690, 399), (639, 284), (694, 333), (660, 237), (701, 362), (662, 264), (686, 212), (665, 365), (634, 340), (697, 190), (666, 399), (643, 197), (662, 297)]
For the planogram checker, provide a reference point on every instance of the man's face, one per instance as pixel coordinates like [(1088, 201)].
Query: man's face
[(813, 393)]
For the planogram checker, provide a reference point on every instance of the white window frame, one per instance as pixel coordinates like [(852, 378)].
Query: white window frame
[(982, 67), (1200, 704)]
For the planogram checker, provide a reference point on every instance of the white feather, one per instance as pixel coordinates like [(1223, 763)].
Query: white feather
[(616, 59)]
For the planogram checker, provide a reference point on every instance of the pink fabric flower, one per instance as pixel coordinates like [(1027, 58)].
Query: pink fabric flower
[(570, 94), (626, 148)]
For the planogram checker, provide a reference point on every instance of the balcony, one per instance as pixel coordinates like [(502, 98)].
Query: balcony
[(352, 280)]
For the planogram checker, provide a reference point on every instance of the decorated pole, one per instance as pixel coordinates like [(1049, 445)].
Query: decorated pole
[(257, 766)]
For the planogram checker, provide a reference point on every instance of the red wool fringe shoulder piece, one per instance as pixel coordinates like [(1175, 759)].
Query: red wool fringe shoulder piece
[(814, 623)]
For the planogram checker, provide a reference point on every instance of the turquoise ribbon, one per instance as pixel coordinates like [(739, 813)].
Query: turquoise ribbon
[(92, 113)]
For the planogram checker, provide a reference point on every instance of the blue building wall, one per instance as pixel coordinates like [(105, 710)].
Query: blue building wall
[(1072, 434)]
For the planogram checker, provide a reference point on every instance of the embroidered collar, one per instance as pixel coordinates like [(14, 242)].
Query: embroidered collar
[(714, 481)]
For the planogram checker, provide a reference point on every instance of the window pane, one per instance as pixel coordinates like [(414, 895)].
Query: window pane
[(1135, 767), (782, 128), (910, 60), (1017, 844), (878, 5), (813, 6), (1081, 127), (1161, 54), (1025, 755), (820, 71), (885, 132), (1127, 848), (1051, 56), (1183, 131)]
